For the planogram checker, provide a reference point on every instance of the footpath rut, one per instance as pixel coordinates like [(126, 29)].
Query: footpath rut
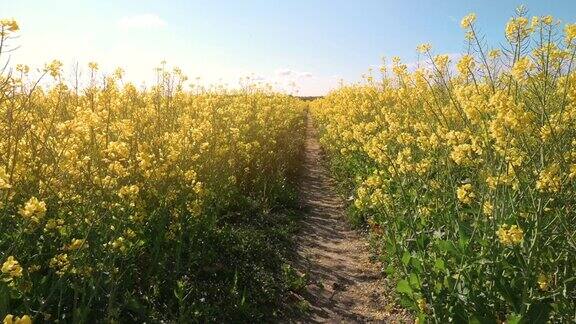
[(344, 285)]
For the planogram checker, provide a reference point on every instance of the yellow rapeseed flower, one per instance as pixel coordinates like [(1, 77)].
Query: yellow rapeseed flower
[(534, 22), (441, 61), (129, 192), (423, 48), (570, 33), (548, 20), (11, 267), (572, 173), (517, 29), (466, 64), (22, 68), (76, 244), (543, 282), (549, 179), (93, 66), (118, 73), (9, 25), (4, 178), (465, 193), (488, 208), (494, 54), (11, 319), (521, 68), (54, 68), (468, 20), (61, 263), (510, 235), (422, 304), (34, 209)]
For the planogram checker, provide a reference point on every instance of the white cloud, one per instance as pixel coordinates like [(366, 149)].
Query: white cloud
[(141, 21), (258, 78), (292, 74), (284, 72), (303, 83)]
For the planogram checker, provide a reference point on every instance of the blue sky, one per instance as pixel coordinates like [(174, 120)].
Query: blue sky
[(311, 43)]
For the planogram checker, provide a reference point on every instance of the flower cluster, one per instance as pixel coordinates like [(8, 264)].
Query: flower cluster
[(11, 269), (108, 189), (8, 26), (510, 235), (442, 163), (33, 209)]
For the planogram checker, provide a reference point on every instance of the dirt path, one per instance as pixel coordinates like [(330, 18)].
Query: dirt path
[(344, 285)]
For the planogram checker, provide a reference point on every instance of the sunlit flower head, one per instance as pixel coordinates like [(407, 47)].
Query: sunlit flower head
[(93, 66), (9, 25), (548, 20), (441, 61), (521, 68), (468, 20), (424, 48), (570, 33), (494, 54), (465, 65), (517, 29), (54, 68)]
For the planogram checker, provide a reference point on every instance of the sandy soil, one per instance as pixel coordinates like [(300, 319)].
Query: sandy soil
[(344, 285)]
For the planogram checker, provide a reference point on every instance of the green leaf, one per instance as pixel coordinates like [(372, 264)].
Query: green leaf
[(422, 318), (417, 265), (538, 313), (4, 299), (406, 258), (439, 265), (503, 287), (404, 287), (448, 247), (390, 248), (438, 287), (414, 281), (479, 319), (513, 319)]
